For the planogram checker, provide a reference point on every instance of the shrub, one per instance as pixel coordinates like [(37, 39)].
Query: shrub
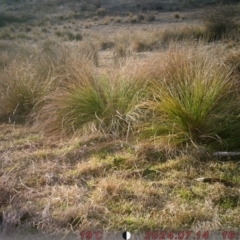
[(194, 103)]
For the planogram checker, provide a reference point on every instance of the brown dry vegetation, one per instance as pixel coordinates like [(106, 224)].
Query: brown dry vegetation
[(107, 119)]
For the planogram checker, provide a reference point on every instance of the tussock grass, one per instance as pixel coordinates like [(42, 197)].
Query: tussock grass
[(88, 104), (25, 82), (183, 33), (194, 102), (139, 40), (20, 88), (69, 35)]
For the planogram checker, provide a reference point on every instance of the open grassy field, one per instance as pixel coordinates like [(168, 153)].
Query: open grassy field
[(111, 114)]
